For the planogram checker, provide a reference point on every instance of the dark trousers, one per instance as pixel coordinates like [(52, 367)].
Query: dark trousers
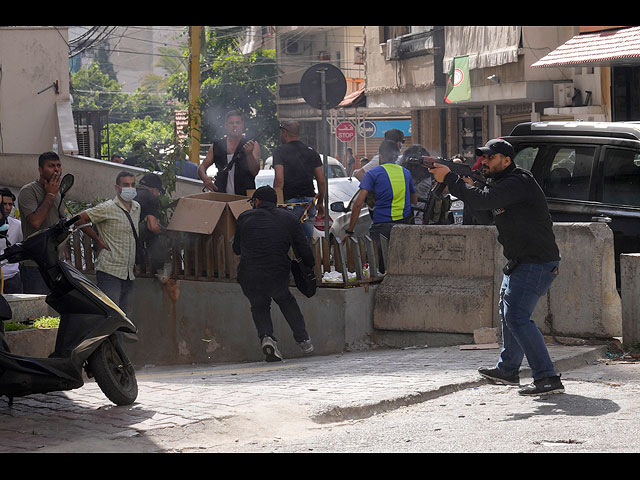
[(32, 281), (377, 229), (116, 289), (260, 296), (13, 284)]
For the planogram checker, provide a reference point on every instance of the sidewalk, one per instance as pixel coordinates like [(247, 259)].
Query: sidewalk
[(321, 388)]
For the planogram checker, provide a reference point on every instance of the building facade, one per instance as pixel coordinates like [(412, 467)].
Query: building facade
[(407, 67)]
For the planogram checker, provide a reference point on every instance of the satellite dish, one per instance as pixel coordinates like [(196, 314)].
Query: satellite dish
[(311, 85)]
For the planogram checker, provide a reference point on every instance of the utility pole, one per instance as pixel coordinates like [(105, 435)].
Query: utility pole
[(195, 41)]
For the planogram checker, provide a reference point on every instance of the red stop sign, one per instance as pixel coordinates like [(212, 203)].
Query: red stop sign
[(345, 131)]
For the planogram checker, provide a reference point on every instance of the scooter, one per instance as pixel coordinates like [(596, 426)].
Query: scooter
[(88, 335)]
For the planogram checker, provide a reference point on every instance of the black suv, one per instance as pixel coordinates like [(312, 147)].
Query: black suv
[(589, 171)]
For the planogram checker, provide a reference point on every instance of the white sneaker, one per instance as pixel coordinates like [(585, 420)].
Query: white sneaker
[(270, 350)]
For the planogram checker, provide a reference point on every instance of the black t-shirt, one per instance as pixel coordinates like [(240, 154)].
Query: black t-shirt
[(299, 162)]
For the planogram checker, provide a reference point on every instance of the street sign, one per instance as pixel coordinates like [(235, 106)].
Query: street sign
[(335, 85), (345, 131), (368, 129)]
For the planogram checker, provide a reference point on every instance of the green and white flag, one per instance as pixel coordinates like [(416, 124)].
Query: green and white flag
[(458, 81)]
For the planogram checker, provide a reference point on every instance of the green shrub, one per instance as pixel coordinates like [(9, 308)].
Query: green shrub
[(42, 322)]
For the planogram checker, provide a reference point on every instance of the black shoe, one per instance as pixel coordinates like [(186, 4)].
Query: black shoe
[(544, 386), (497, 376)]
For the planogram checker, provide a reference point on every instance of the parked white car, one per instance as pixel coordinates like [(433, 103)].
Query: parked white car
[(341, 189)]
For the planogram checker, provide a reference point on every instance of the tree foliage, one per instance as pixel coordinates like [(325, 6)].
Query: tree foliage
[(232, 81)]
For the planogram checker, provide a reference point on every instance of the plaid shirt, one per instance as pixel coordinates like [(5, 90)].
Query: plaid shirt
[(115, 230)]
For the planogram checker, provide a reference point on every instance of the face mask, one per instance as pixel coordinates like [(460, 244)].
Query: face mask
[(128, 193)]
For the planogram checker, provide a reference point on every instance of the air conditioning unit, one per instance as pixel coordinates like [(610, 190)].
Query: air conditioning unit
[(562, 94), (86, 141), (293, 47), (393, 48)]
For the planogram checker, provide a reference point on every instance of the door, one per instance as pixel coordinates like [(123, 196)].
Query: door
[(619, 192)]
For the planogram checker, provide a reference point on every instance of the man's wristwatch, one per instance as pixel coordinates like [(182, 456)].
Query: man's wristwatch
[(349, 232)]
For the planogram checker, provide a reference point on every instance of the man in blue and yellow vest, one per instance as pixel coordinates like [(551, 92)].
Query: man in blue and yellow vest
[(393, 191)]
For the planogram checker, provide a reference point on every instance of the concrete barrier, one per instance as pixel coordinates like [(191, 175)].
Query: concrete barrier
[(447, 279), (33, 342), (184, 322), (25, 306), (630, 293), (440, 279), (583, 301)]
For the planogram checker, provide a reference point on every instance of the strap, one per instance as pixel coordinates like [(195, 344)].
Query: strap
[(135, 235), (229, 165)]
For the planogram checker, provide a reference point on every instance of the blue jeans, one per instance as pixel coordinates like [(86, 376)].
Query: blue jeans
[(519, 295), (298, 210)]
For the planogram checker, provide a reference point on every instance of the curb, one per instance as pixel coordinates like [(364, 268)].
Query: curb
[(341, 414)]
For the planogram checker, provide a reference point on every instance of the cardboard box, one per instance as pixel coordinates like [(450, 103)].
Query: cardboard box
[(213, 216)]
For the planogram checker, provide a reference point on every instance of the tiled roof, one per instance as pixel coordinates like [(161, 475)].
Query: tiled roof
[(610, 47)]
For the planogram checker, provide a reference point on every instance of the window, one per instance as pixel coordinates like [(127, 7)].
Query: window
[(525, 157), (570, 173), (621, 177)]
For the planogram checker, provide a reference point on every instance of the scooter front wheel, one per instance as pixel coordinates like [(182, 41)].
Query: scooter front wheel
[(113, 372)]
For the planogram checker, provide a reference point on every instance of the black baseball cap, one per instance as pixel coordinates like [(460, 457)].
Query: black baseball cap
[(497, 145), (152, 180), (266, 194)]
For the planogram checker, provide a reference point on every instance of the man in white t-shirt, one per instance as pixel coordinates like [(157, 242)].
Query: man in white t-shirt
[(394, 135), (11, 271)]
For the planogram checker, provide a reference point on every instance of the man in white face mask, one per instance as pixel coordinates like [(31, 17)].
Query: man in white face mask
[(115, 243)]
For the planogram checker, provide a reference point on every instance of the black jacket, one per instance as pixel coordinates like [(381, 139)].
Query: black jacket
[(263, 238), (517, 205)]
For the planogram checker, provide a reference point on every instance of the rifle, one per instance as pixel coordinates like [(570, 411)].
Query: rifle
[(461, 169), (230, 163)]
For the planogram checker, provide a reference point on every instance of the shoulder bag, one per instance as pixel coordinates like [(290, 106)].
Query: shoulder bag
[(141, 251)]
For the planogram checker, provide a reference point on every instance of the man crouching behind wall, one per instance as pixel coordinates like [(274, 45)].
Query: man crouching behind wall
[(263, 238), (519, 209)]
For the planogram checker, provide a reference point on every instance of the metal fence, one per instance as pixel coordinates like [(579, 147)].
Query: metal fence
[(206, 258)]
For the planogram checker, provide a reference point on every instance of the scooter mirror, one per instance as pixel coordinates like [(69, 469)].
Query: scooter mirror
[(66, 183)]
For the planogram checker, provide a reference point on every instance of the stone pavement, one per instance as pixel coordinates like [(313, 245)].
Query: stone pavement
[(324, 388)]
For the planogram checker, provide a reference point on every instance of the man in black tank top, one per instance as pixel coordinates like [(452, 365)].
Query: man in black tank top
[(237, 160)]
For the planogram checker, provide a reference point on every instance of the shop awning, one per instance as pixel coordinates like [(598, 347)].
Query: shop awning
[(605, 48)]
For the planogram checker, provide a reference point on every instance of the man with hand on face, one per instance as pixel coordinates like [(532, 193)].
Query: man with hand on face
[(116, 243), (237, 160), (519, 209), (40, 205)]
